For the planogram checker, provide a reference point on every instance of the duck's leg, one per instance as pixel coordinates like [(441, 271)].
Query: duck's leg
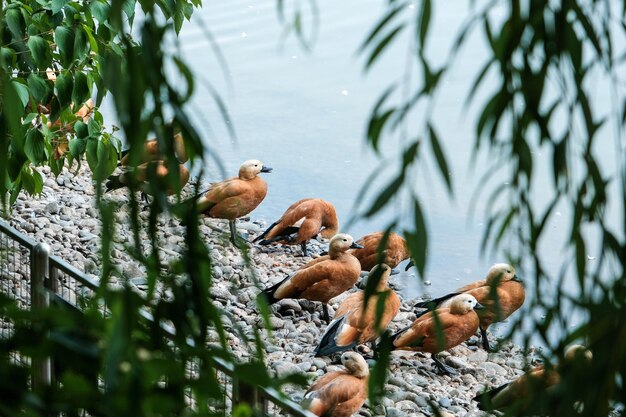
[(326, 315), (483, 335), (303, 246), (233, 231), (445, 369)]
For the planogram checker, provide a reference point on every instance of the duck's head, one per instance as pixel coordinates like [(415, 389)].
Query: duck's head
[(464, 303), (501, 273), (342, 242), (578, 351), (355, 364), (252, 168)]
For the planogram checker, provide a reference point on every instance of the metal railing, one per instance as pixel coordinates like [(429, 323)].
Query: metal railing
[(30, 275)]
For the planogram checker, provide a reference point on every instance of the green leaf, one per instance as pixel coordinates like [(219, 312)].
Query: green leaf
[(92, 153), (7, 57), (15, 22), (382, 45), (64, 38), (94, 128), (22, 92), (80, 93), (440, 157), (57, 5), (28, 182), (100, 10), (382, 24), (78, 147), (424, 21), (64, 86), (81, 44), (418, 241), (385, 195), (34, 147), (81, 129), (39, 88), (40, 50)]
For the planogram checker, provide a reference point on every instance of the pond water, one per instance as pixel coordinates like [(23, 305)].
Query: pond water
[(305, 113)]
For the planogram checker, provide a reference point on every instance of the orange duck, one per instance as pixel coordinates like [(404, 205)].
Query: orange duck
[(517, 395), (457, 323), (303, 220), (141, 176), (395, 251), (354, 323), (340, 393), (321, 279), (235, 197), (151, 151), (509, 296)]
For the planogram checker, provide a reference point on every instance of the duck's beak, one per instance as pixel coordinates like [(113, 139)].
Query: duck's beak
[(479, 306), (356, 246), (266, 169), (517, 279)]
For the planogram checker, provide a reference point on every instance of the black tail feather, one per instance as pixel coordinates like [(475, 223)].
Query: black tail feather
[(435, 302), (113, 183), (328, 344), (262, 235), (484, 398), (268, 293)]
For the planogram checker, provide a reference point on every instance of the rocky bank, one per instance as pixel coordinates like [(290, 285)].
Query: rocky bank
[(66, 218)]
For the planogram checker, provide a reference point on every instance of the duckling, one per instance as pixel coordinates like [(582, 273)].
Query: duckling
[(395, 251), (518, 394), (509, 296), (141, 176), (235, 197), (457, 323), (302, 221), (355, 323), (322, 278), (151, 151), (340, 393)]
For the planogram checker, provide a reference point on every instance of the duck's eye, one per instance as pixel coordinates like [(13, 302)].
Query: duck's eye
[(345, 240), (508, 271)]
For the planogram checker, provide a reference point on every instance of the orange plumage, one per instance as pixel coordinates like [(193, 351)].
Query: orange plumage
[(501, 292), (323, 278), (340, 393), (302, 221), (456, 324), (354, 323), (395, 251), (141, 176), (152, 152), (235, 197), (517, 395)]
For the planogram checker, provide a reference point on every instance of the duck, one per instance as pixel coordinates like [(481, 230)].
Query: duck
[(355, 322), (510, 295), (339, 393), (458, 322), (302, 221), (517, 395), (395, 251), (235, 197), (151, 151), (320, 279), (140, 174)]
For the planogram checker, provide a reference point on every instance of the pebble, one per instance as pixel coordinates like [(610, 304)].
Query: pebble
[(65, 217)]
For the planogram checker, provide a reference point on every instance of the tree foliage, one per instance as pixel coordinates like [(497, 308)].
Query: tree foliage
[(546, 57)]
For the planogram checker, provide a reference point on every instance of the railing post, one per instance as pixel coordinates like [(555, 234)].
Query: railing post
[(244, 393), (39, 299)]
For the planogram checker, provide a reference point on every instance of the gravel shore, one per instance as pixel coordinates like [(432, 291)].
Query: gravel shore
[(66, 218)]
